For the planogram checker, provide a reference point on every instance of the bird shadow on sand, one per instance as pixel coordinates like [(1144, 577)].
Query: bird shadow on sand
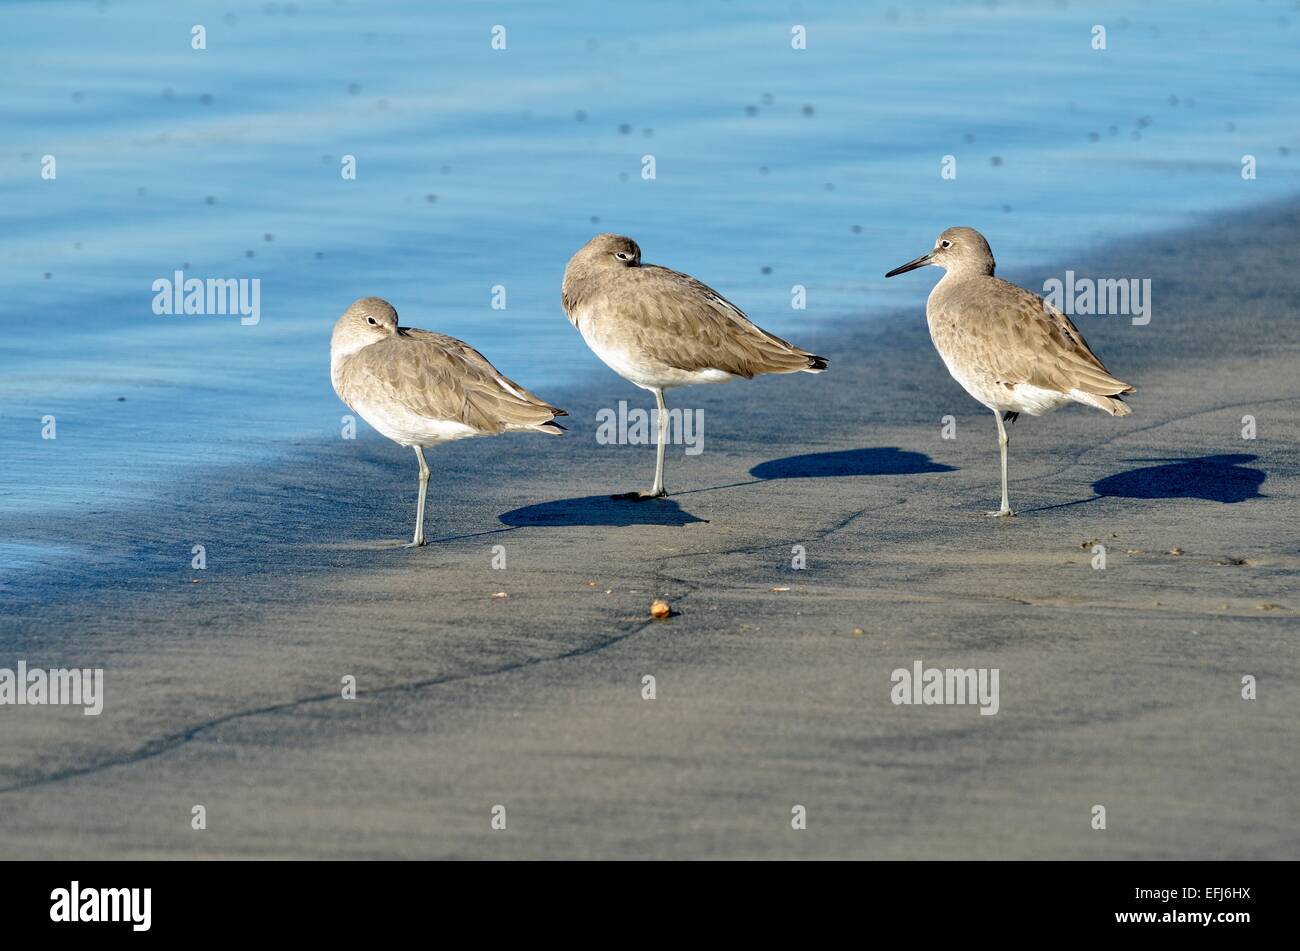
[(876, 460), (600, 510), (1223, 478)]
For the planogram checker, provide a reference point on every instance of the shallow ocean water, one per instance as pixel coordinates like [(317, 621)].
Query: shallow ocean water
[(478, 168)]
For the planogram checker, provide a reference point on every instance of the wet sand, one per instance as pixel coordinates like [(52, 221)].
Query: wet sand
[(1119, 687)]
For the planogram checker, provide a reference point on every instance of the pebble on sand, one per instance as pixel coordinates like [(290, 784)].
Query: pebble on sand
[(660, 609)]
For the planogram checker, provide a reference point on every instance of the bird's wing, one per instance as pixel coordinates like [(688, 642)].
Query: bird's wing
[(440, 377), (481, 363), (1026, 340), (690, 326)]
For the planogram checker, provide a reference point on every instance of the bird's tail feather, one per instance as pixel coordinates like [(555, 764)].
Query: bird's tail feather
[(1109, 404)]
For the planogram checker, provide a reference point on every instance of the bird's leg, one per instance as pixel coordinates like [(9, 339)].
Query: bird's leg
[(418, 541), (657, 490), (1002, 444)]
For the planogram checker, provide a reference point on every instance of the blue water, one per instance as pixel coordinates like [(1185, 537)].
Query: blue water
[(478, 167)]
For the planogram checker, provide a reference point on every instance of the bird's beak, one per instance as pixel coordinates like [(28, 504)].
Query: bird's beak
[(922, 261)]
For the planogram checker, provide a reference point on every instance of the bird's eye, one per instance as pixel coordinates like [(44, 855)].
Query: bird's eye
[(372, 322), (945, 244), (621, 255)]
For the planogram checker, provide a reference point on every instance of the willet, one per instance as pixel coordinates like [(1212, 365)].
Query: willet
[(658, 328), (1008, 348), (421, 388)]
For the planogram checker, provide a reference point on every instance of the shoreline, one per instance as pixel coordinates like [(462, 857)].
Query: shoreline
[(267, 436), (1119, 686)]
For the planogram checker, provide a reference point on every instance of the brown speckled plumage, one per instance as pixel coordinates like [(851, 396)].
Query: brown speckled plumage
[(1007, 335), (667, 318), (434, 376)]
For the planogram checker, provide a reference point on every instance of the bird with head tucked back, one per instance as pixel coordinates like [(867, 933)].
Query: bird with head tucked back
[(421, 388), (1008, 348), (658, 328)]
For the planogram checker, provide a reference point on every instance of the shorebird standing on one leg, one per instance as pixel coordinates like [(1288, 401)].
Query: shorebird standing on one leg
[(659, 328), (1008, 348), (421, 388)]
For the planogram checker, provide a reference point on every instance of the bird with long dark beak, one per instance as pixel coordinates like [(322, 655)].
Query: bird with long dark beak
[(1008, 348)]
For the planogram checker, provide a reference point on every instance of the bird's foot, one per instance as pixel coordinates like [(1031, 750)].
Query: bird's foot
[(418, 543), (640, 496), (1000, 513)]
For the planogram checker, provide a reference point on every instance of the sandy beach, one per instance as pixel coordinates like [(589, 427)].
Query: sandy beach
[(1120, 687)]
